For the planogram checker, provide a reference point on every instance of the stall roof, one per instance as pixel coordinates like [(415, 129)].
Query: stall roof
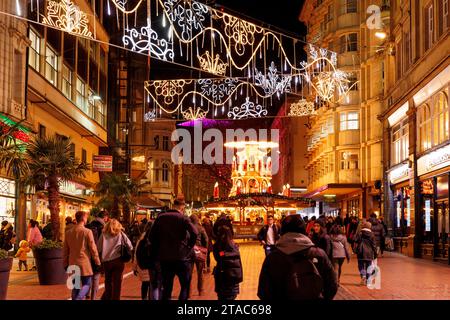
[(260, 200)]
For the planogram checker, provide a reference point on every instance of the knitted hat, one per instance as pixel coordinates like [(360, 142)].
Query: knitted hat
[(367, 225)]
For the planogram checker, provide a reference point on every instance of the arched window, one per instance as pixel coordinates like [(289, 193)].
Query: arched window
[(165, 172), (424, 128), (440, 123)]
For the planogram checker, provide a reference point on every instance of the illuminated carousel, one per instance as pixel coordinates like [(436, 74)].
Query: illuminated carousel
[(251, 198)]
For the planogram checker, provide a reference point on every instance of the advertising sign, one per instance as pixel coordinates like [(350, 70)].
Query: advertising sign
[(102, 163)]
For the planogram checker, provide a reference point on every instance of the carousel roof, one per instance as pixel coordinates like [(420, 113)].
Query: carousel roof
[(260, 200)]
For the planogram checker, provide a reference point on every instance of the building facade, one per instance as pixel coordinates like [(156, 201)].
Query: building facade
[(416, 129), (345, 138)]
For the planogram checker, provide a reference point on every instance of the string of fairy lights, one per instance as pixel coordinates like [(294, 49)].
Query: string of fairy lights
[(249, 65)]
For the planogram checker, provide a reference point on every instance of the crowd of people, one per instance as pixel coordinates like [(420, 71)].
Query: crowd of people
[(303, 257)]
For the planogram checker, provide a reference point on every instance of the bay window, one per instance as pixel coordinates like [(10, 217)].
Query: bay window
[(51, 65), (67, 81), (349, 42), (81, 94), (35, 50), (349, 120), (400, 142)]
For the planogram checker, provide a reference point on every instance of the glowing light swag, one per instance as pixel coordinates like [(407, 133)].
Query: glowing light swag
[(246, 110), (302, 108), (212, 65), (68, 17), (197, 114)]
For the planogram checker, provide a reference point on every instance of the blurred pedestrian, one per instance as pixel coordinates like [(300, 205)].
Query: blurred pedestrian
[(110, 245), (228, 271), (22, 254), (340, 249), (378, 231), (366, 250), (269, 235), (310, 225), (207, 225), (7, 236), (79, 250), (321, 239), (200, 251)]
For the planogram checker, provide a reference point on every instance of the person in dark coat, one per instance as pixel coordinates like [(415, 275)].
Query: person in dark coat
[(6, 236), (228, 271), (202, 241), (294, 243), (351, 230), (269, 235), (377, 230), (366, 250), (222, 220), (383, 238), (207, 224), (173, 238), (321, 239)]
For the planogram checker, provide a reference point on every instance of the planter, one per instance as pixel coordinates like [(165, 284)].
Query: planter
[(50, 266), (5, 268)]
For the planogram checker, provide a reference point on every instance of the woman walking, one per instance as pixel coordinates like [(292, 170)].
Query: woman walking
[(366, 250), (340, 249), (110, 247), (200, 256), (228, 271)]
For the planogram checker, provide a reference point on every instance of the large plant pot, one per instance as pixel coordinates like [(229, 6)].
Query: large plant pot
[(50, 266), (5, 268)]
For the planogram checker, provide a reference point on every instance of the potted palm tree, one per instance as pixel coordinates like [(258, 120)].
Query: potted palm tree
[(116, 191), (5, 267), (51, 163)]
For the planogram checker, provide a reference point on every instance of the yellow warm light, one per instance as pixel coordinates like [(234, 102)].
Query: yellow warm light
[(139, 159), (381, 35)]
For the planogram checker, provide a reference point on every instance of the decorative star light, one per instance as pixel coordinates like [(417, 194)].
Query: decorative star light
[(68, 17), (191, 114), (146, 41), (217, 89), (246, 110), (326, 84), (302, 108), (273, 82), (150, 116), (212, 65), (189, 15)]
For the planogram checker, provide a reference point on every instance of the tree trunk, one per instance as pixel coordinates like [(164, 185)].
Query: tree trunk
[(53, 205), (115, 213), (126, 212)]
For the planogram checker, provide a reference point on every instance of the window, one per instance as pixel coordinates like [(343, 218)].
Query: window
[(35, 50), (156, 171), (72, 150), (67, 81), (165, 172), (51, 65), (444, 23), (398, 67), (400, 142), (83, 156), (349, 160), (353, 82), (424, 130), (429, 26), (165, 142), (440, 119), (407, 47), (42, 131), (349, 121), (349, 43), (91, 104), (81, 94), (18, 83), (330, 13), (350, 6)]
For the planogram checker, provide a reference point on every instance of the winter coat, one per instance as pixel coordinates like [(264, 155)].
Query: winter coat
[(365, 245), (6, 236), (209, 232), (262, 234), (378, 231), (80, 249), (340, 246), (275, 269), (220, 222), (34, 237), (323, 241), (22, 253), (228, 271), (173, 237), (143, 274), (202, 237)]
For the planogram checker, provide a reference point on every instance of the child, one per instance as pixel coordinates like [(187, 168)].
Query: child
[(22, 254)]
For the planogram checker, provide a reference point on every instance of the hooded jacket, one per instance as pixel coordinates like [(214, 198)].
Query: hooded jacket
[(378, 231), (275, 270), (365, 245)]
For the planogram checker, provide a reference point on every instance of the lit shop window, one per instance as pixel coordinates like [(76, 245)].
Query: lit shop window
[(51, 65), (349, 160), (165, 172), (400, 142), (349, 121)]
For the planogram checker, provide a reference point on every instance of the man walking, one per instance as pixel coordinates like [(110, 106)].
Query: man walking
[(80, 250), (269, 235), (173, 238), (296, 269)]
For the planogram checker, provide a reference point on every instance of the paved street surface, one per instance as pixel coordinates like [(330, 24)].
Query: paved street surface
[(401, 278)]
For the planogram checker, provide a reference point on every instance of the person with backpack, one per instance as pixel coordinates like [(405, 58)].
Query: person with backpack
[(269, 235), (200, 250), (228, 271), (321, 239), (366, 250), (96, 226), (142, 273), (340, 249), (296, 269)]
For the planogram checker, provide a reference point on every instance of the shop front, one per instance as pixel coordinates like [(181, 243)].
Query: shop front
[(434, 218), (401, 192), (7, 200)]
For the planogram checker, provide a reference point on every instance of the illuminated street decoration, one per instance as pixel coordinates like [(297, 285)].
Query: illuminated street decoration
[(169, 89), (212, 65), (146, 40), (150, 116), (302, 108), (217, 89), (191, 114), (68, 17), (247, 110), (272, 82)]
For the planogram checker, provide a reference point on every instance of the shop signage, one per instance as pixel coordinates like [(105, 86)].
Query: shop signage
[(399, 213), (102, 163), (399, 174), (428, 215), (71, 188), (427, 187), (433, 161), (408, 212)]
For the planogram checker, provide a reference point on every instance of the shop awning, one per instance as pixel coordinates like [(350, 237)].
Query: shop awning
[(331, 189), (147, 202)]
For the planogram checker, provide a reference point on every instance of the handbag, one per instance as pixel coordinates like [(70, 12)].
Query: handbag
[(125, 254), (200, 253)]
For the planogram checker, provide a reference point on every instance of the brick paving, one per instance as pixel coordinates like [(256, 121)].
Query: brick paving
[(402, 278)]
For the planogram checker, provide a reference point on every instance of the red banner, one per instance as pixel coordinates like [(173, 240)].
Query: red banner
[(102, 163)]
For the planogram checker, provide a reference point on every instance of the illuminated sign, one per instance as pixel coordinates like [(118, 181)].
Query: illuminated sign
[(399, 174), (428, 215), (102, 163), (434, 160)]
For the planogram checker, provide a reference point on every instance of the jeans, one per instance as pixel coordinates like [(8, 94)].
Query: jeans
[(363, 265), (113, 279), (80, 293), (155, 284), (200, 265), (95, 284), (181, 269)]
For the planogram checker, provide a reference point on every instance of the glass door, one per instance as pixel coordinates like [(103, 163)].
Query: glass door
[(442, 227)]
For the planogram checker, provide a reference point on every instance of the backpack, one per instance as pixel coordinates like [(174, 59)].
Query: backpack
[(143, 253), (304, 281)]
